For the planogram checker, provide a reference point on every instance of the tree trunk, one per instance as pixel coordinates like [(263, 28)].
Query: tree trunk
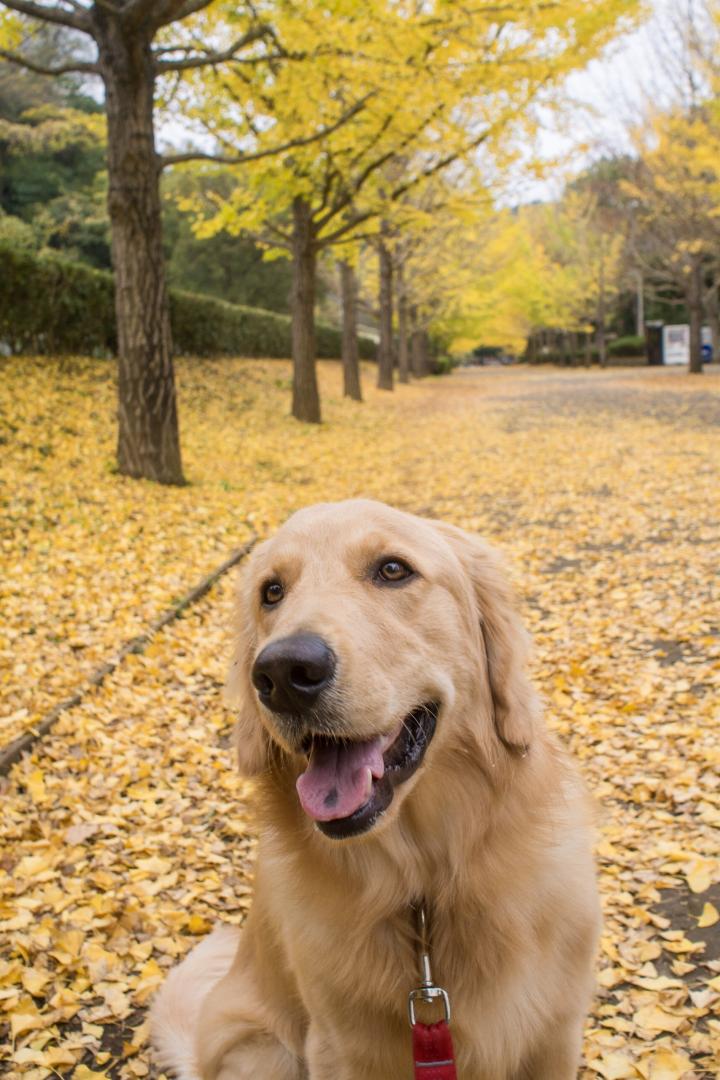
[(426, 357), (695, 305), (640, 306), (148, 438), (601, 316), (416, 345), (403, 344), (306, 399), (386, 359), (713, 317), (416, 354), (350, 349)]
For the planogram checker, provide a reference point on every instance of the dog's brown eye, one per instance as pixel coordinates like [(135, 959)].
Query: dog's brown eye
[(272, 593), (393, 571)]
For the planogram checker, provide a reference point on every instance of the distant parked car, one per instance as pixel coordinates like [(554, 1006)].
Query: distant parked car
[(487, 354)]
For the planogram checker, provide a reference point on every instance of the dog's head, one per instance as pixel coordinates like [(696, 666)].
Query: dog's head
[(368, 640)]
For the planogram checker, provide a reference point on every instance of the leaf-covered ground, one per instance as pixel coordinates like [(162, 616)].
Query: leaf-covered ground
[(127, 834)]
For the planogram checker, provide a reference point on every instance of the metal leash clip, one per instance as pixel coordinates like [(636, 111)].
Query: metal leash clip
[(427, 992)]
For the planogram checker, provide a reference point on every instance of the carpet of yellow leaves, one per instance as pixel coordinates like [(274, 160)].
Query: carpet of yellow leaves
[(126, 834)]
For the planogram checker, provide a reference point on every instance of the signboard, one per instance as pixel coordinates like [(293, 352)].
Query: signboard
[(676, 344), (707, 349)]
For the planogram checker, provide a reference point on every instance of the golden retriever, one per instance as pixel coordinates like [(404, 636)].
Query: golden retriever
[(400, 757)]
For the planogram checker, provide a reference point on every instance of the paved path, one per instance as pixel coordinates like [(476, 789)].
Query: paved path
[(127, 834)]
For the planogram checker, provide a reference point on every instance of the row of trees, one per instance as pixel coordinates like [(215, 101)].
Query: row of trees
[(334, 116), (638, 234)]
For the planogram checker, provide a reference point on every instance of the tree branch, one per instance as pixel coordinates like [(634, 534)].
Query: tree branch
[(191, 6), (241, 159), (52, 13), (347, 197), (219, 57), (348, 226), (397, 193), (167, 11), (78, 68)]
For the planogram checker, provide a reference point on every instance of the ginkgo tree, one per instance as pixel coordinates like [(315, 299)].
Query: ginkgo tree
[(430, 83), (498, 281), (584, 242), (133, 46), (677, 194)]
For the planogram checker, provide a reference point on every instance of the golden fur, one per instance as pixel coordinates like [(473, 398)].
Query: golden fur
[(492, 831)]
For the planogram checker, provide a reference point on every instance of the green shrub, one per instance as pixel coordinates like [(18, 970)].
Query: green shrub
[(51, 306), (627, 346), (48, 305), (443, 365)]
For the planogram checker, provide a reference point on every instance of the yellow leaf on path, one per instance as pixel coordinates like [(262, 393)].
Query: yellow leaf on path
[(660, 983), (700, 874), (667, 1065), (102, 964), (35, 784), (26, 1056), (151, 975), (83, 1073), (196, 924), (25, 1021), (648, 950), (655, 1018), (67, 945), (34, 980), (59, 1055), (115, 1000), (709, 917), (679, 967), (31, 866), (614, 1066), (10, 972), (48, 1059), (154, 865), (82, 831)]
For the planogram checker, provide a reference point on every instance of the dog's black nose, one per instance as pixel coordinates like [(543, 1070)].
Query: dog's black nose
[(290, 674)]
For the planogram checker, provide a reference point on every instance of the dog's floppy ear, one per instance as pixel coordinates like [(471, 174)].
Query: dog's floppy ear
[(502, 641), (251, 739)]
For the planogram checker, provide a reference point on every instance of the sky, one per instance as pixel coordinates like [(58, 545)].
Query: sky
[(638, 72)]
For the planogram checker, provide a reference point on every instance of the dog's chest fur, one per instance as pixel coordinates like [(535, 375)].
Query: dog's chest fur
[(352, 951)]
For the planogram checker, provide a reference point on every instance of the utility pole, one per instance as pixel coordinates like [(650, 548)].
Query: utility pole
[(640, 308)]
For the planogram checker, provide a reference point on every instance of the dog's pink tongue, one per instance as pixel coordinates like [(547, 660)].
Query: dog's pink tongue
[(338, 779)]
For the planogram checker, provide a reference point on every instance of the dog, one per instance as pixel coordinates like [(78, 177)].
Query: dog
[(400, 759)]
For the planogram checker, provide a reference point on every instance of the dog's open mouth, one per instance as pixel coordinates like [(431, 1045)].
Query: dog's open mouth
[(348, 785)]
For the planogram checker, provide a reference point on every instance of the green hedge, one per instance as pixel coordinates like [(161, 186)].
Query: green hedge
[(51, 306), (562, 359), (48, 305), (627, 346)]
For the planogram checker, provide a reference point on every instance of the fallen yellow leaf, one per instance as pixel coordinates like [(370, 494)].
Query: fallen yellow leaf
[(709, 917), (35, 784), (667, 1065)]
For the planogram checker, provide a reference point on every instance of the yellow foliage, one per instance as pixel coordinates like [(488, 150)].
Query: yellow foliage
[(431, 89)]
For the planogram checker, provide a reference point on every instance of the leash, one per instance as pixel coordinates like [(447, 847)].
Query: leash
[(432, 1043)]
